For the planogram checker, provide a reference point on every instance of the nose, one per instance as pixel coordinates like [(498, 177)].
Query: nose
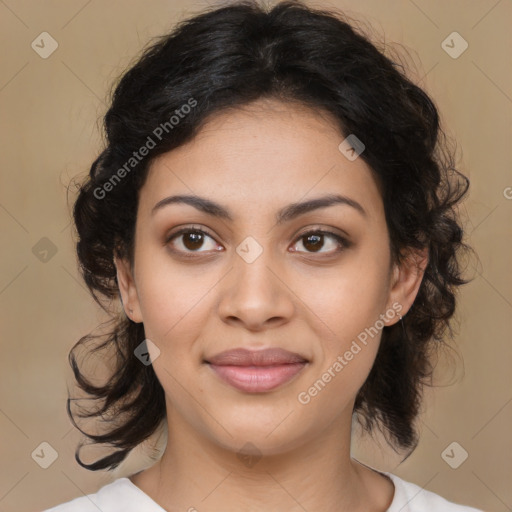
[(256, 294)]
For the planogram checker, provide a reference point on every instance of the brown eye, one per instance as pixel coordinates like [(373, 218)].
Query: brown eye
[(193, 240), (315, 241), (189, 240)]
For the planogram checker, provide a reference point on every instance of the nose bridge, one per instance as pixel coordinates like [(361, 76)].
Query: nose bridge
[(254, 292), (252, 265)]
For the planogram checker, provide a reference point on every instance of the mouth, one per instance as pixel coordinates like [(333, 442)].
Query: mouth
[(256, 371)]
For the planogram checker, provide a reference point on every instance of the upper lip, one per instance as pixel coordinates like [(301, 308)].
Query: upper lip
[(266, 357)]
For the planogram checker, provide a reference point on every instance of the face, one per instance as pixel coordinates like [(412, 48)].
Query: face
[(312, 281)]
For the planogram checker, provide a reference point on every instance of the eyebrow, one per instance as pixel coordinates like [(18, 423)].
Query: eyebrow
[(287, 213)]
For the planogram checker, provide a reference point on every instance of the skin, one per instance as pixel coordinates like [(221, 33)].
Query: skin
[(255, 161)]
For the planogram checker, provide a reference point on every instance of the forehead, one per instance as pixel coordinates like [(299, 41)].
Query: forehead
[(263, 155)]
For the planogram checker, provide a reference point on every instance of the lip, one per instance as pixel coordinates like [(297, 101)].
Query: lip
[(257, 379), (266, 357), (257, 371)]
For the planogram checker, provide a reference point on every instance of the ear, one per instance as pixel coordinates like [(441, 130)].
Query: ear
[(127, 289), (406, 281)]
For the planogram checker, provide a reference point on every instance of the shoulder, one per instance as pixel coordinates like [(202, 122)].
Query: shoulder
[(410, 497), (93, 502), (121, 494)]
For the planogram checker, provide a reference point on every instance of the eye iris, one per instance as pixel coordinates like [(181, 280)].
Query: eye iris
[(317, 242), (192, 240)]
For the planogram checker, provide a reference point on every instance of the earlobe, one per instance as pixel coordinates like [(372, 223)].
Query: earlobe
[(407, 278), (127, 289)]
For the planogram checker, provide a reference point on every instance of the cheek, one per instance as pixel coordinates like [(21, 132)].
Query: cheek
[(173, 303), (348, 299), (348, 332), (344, 312), (175, 306)]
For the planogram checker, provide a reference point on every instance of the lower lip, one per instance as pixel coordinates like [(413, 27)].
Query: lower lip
[(254, 379)]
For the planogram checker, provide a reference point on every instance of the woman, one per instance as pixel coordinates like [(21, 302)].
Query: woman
[(275, 209)]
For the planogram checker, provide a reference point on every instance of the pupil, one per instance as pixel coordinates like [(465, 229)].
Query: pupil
[(196, 240), (316, 244)]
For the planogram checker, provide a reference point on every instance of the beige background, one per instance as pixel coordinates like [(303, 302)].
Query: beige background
[(50, 117)]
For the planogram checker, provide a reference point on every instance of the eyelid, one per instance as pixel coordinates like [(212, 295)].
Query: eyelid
[(187, 229), (325, 230)]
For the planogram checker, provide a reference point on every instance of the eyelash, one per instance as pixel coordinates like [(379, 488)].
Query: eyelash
[(343, 243)]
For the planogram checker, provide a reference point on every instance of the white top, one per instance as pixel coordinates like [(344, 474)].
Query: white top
[(122, 495)]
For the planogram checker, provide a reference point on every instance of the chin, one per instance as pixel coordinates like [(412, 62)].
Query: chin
[(259, 438)]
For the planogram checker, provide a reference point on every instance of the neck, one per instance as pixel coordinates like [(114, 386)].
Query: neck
[(195, 472)]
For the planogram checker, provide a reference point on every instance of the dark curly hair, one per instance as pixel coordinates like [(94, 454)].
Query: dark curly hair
[(226, 57)]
